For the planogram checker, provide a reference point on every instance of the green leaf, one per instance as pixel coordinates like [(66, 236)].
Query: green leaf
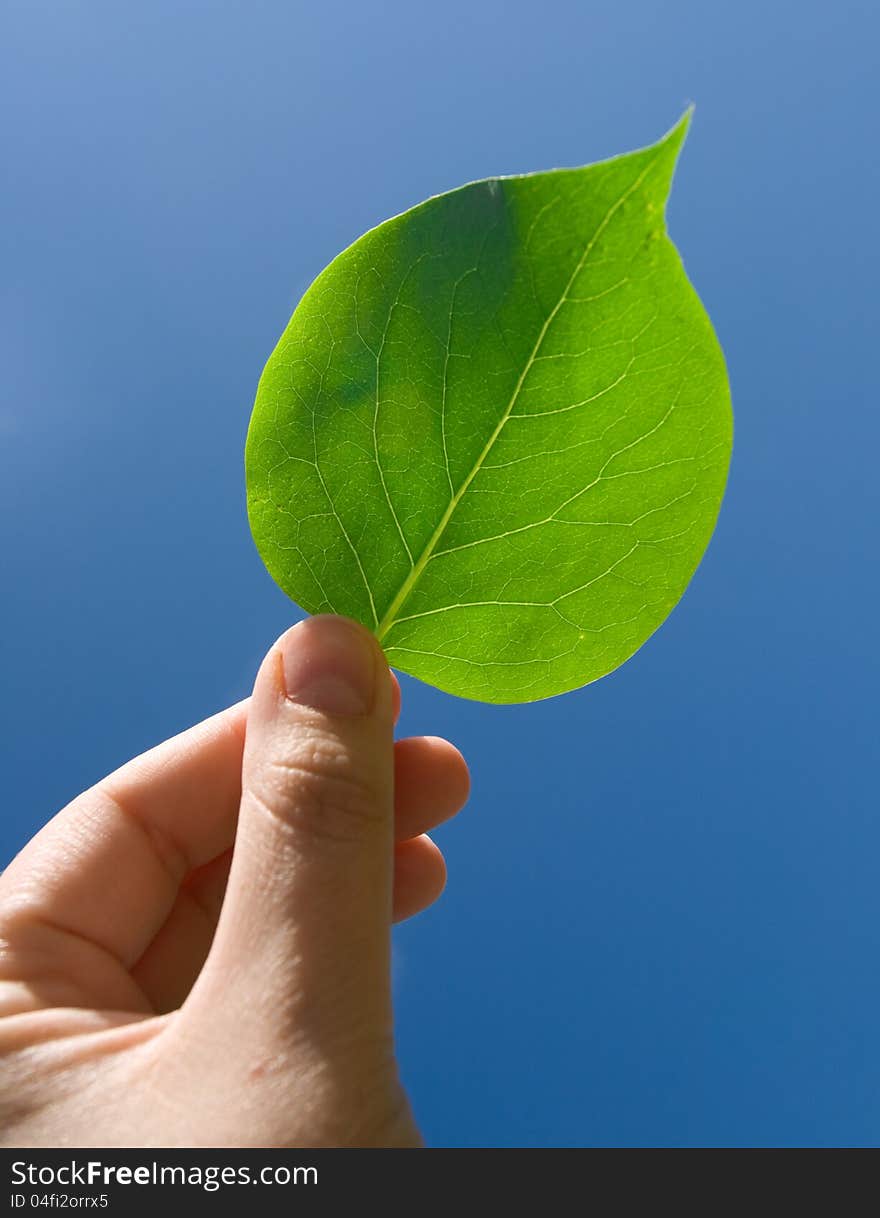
[(497, 430)]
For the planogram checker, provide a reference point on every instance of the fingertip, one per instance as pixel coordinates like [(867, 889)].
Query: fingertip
[(458, 774), (419, 876), (431, 783), (326, 663), (333, 665)]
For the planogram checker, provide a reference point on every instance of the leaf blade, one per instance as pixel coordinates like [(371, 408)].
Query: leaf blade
[(478, 372)]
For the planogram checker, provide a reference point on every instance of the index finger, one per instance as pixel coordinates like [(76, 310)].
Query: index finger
[(107, 868)]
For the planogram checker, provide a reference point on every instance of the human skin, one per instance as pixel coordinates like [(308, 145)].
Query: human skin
[(196, 951)]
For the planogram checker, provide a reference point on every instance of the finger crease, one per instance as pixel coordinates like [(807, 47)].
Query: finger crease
[(170, 854)]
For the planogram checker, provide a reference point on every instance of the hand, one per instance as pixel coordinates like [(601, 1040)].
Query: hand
[(135, 1011)]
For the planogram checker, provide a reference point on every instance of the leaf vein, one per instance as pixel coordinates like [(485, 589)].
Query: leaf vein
[(424, 558)]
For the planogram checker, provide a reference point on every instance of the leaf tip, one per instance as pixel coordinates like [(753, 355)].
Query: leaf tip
[(676, 135), (666, 151)]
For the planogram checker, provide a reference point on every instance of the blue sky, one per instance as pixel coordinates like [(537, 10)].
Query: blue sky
[(662, 925)]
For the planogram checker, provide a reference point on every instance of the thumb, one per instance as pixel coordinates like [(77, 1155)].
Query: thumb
[(302, 949)]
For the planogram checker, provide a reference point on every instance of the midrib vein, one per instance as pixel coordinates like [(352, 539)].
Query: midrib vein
[(390, 616)]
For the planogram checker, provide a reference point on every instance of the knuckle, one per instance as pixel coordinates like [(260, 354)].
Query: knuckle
[(317, 790)]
